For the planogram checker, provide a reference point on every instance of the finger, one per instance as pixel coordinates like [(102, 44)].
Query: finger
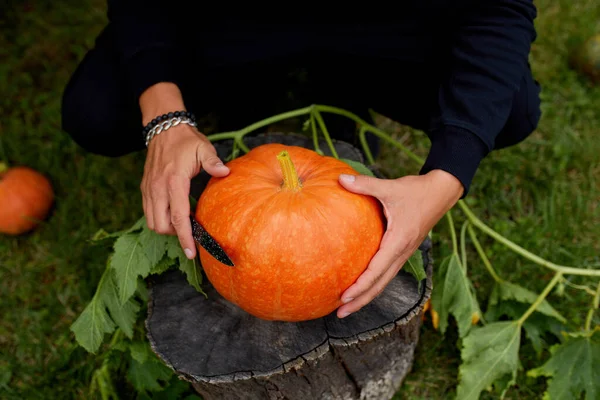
[(211, 163), (373, 292), (387, 255), (179, 189), (160, 210), (146, 206), (362, 184)]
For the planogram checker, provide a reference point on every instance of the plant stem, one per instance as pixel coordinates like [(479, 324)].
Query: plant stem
[(452, 232), (376, 131), (260, 124), (595, 304), (321, 122), (486, 261), (520, 250), (585, 288), (463, 244), (541, 297), (363, 141), (290, 175), (241, 144), (315, 135)]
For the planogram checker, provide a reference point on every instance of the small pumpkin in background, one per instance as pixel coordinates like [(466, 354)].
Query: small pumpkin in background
[(298, 239), (585, 58), (26, 197)]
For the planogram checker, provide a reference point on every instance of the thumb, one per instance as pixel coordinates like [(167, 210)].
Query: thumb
[(361, 184), (212, 164)]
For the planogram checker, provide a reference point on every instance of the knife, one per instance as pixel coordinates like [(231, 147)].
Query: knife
[(208, 243)]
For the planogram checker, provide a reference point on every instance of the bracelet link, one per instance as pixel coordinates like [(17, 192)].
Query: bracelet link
[(166, 122)]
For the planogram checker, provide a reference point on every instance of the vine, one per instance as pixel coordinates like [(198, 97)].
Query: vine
[(489, 346)]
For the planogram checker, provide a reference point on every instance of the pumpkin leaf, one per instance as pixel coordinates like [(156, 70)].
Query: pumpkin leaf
[(164, 264), (124, 315), (129, 261), (101, 234), (94, 322), (573, 368), (103, 314), (154, 245), (537, 326), (145, 375), (453, 294), (358, 167), (187, 266), (414, 266), (138, 351), (490, 356), (510, 291)]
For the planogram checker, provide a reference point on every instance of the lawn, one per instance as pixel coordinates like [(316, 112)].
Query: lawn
[(543, 194)]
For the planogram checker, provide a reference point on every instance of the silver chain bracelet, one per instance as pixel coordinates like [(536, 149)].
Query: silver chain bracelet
[(165, 125)]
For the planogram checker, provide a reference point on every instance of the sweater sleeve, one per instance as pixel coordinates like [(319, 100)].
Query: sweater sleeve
[(487, 62), (147, 44)]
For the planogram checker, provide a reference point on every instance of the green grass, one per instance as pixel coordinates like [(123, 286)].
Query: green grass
[(543, 194)]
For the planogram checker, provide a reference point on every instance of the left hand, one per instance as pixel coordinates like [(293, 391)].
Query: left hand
[(412, 206)]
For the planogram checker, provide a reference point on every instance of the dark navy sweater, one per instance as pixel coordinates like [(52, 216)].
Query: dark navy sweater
[(482, 47)]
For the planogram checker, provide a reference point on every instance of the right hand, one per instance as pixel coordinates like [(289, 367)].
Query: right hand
[(174, 157)]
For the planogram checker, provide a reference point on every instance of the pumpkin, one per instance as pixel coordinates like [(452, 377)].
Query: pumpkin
[(297, 238), (25, 199), (586, 58)]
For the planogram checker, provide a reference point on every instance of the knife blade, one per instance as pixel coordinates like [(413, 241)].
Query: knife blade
[(208, 243)]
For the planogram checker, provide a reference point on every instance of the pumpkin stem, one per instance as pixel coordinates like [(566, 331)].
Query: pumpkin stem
[(290, 175), (3, 167)]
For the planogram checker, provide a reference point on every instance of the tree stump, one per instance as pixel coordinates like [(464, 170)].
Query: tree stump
[(228, 354)]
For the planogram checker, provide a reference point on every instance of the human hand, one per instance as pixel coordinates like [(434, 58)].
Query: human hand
[(412, 206), (174, 157)]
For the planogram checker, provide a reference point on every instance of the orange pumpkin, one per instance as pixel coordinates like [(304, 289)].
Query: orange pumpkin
[(25, 199), (297, 238)]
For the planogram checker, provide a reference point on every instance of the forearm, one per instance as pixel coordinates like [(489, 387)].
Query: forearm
[(159, 99)]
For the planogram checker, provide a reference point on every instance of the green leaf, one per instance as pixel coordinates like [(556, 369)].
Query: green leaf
[(489, 354), (189, 267), (509, 291), (145, 376), (192, 272), (142, 290), (129, 261), (154, 245), (164, 264), (453, 294), (124, 315), (573, 369), (358, 167), (414, 266), (94, 322), (101, 234), (139, 351), (537, 326)]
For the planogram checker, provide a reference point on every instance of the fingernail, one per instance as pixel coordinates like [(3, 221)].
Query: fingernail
[(347, 178), (347, 300), (344, 314), (188, 253), (219, 164)]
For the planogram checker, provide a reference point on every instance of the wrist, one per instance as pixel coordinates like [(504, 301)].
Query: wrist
[(159, 99), (446, 185)]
